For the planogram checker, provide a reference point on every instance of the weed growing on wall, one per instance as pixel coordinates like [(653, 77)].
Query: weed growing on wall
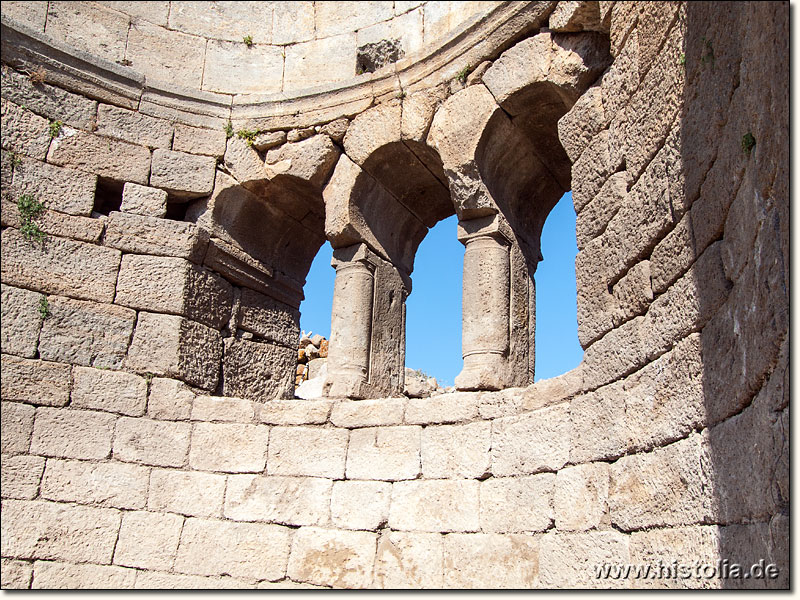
[(55, 128), (44, 308), (29, 210)]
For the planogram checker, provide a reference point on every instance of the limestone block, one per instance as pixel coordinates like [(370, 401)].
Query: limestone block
[(143, 200), (17, 427), (570, 560), (581, 497), (183, 175), (113, 485), (229, 67), (33, 14), (457, 451), (336, 130), (250, 550), (47, 100), (53, 223), (418, 111), (620, 351), (154, 580), (311, 160), (600, 429), (265, 140), (169, 399), (233, 410), (372, 129), (673, 255), (69, 433), (102, 156), (49, 575), (295, 412), (188, 493), (576, 16), (157, 443), (64, 190), (444, 408), (284, 500), (406, 28), (669, 486), (409, 561), (368, 413), (590, 171), (489, 560), (292, 23), (623, 18), (533, 442), (93, 29), (20, 321), (435, 505), (633, 293), (21, 475), (174, 286), (582, 123), (224, 21), (388, 453), (360, 504), (503, 403), (347, 557), (524, 63), (59, 266), (258, 371), (548, 392), (133, 126), (111, 391), (16, 574), (154, 12), (35, 381), (86, 333), (310, 451), (197, 140), (595, 216), (166, 55), (517, 504), (229, 447), (350, 16), (37, 529), (268, 318), (663, 546), (307, 63), (23, 131), (161, 237), (176, 347), (620, 81), (148, 540)]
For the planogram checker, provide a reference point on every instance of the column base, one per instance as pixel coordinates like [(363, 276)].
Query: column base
[(483, 372)]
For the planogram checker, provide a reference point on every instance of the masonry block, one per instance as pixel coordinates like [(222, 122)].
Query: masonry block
[(35, 381), (350, 556), (435, 505), (310, 451), (23, 131), (517, 504), (295, 412), (276, 499), (360, 504), (387, 453), (20, 321), (183, 175), (258, 371), (20, 476), (133, 126), (111, 391), (63, 190), (581, 497), (169, 399), (444, 408), (409, 560), (221, 409), (268, 318), (113, 485), (195, 140), (49, 575), (189, 493), (570, 560), (537, 441), (148, 442), (368, 413), (479, 560), (138, 234), (15, 574), (148, 540), (67, 433), (229, 447), (457, 451), (143, 200), (100, 155)]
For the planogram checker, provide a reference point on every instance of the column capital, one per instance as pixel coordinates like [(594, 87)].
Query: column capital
[(494, 226), (357, 253)]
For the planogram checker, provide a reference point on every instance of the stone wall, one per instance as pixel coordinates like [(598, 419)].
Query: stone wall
[(144, 338)]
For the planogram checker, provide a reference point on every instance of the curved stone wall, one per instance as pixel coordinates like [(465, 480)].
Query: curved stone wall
[(152, 267)]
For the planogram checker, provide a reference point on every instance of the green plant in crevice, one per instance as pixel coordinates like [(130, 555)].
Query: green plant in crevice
[(748, 142), (228, 130), (16, 160), (44, 308), (461, 76), (248, 135), (55, 128), (248, 40), (682, 59), (29, 210)]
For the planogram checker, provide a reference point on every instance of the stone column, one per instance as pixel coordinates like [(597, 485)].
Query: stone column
[(485, 303), (351, 321)]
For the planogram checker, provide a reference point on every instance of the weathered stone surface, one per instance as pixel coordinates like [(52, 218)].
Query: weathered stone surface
[(457, 451), (229, 447), (114, 485), (16, 574), (59, 266), (23, 131), (224, 21), (409, 561), (258, 371), (336, 130), (388, 453), (308, 451), (197, 140), (21, 475), (86, 333), (64, 190), (148, 540), (37, 529), (276, 499), (169, 399), (35, 381), (143, 200), (581, 497), (153, 580), (20, 321), (368, 413), (161, 237), (295, 412), (49, 575), (69, 433), (53, 223), (234, 410), (372, 129), (93, 29), (17, 427), (184, 175), (306, 66), (158, 443), (166, 55), (311, 160), (103, 156), (332, 557), (590, 171), (111, 391), (176, 347), (175, 286), (268, 139), (133, 126), (444, 408), (360, 504), (663, 546), (582, 123), (229, 66), (537, 441), (570, 560), (517, 504), (268, 318), (249, 550), (595, 216), (576, 16), (33, 14), (436, 505), (188, 493), (489, 560)]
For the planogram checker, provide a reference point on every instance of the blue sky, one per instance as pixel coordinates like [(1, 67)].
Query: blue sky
[(433, 310)]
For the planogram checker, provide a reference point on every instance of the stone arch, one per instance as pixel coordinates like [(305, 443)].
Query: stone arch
[(506, 169)]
